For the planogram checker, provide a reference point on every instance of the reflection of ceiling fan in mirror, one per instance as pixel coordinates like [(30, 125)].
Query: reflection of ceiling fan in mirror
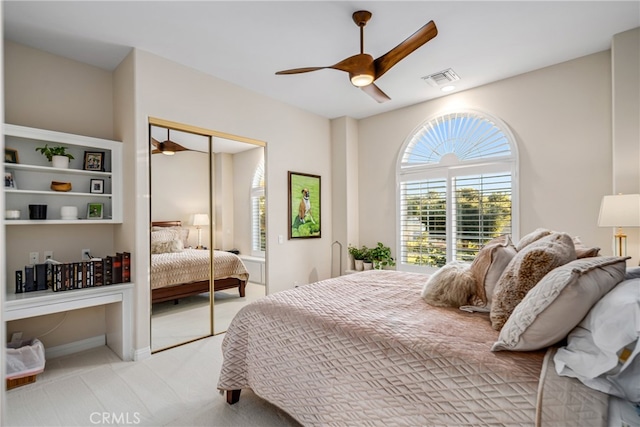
[(166, 147), (363, 69)]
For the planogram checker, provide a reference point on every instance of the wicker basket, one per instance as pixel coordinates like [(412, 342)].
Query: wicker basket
[(17, 382), (60, 186)]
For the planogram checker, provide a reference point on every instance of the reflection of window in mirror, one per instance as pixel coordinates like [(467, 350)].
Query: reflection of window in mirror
[(258, 217)]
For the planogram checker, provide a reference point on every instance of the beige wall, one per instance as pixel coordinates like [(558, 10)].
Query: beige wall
[(296, 140), (561, 118), (179, 189), (625, 66), (49, 92)]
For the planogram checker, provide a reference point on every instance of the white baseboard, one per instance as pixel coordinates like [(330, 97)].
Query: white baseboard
[(141, 354), (74, 347)]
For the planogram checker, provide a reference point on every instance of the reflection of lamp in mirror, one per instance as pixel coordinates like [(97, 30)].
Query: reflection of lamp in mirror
[(199, 220), (620, 210)]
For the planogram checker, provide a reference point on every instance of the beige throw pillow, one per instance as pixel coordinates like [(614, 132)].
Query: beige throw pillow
[(525, 270), (583, 251), (535, 235), (559, 302), (182, 232), (164, 235), (488, 265), (452, 285), (167, 246)]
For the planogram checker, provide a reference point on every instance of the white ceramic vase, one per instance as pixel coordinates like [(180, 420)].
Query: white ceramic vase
[(359, 265), (61, 162)]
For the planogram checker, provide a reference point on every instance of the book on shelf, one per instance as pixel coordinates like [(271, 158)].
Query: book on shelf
[(40, 272), (126, 267), (19, 288), (107, 277), (59, 276), (117, 268), (29, 278)]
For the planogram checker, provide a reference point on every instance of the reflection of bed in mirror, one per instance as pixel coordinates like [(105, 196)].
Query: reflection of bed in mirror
[(178, 272)]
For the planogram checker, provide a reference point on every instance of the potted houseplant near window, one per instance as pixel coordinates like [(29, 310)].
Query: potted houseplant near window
[(358, 255), (58, 156), (381, 256)]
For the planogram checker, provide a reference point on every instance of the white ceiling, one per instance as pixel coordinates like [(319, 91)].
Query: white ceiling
[(247, 42)]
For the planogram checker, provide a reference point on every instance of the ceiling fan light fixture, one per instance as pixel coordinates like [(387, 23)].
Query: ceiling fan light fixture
[(165, 151), (360, 80)]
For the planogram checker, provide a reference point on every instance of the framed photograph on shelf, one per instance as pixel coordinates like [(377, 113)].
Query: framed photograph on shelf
[(97, 186), (304, 206), (10, 181), (94, 161), (94, 210), (10, 155)]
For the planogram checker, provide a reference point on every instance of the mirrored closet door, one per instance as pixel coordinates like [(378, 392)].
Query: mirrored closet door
[(207, 213)]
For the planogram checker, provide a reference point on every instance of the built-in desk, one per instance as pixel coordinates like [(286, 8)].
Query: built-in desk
[(117, 299)]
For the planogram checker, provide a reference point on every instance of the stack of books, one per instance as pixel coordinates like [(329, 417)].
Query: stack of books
[(59, 276)]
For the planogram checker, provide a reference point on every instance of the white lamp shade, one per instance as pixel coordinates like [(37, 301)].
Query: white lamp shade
[(620, 210), (200, 219)]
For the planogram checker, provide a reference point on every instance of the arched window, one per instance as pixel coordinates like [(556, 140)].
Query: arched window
[(457, 189), (258, 219)]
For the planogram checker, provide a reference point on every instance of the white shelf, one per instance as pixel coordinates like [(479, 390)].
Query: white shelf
[(59, 221), (50, 169), (57, 193)]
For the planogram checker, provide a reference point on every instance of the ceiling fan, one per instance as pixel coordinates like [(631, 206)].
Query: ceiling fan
[(167, 147), (363, 69)]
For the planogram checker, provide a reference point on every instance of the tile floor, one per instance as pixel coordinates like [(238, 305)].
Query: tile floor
[(175, 387)]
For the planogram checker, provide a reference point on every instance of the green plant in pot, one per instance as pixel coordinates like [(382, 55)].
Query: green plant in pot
[(381, 256), (58, 156), (358, 255)]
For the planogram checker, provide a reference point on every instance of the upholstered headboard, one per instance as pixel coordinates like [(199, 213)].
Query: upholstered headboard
[(166, 223)]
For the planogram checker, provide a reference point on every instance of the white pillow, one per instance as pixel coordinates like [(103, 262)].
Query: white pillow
[(165, 235), (602, 351), (556, 304)]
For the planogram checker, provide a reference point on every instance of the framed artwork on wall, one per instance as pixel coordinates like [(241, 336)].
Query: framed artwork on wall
[(304, 206)]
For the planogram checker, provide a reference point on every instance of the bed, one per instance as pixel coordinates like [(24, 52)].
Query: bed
[(366, 349), (178, 271)]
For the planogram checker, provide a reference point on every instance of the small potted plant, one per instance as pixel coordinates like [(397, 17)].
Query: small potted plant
[(358, 256), (58, 156), (381, 256)]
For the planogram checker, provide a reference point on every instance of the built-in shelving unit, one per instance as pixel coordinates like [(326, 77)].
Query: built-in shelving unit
[(33, 175)]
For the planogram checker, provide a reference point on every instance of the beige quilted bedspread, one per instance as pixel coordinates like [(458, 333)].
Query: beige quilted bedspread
[(365, 349), (192, 265)]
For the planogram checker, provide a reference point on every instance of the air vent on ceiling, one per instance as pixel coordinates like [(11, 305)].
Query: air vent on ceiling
[(441, 78)]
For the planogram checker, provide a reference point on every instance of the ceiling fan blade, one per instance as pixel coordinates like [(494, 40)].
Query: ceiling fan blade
[(376, 93), (413, 42), (167, 145), (300, 70)]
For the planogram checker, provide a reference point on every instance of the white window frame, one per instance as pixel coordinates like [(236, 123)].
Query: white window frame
[(448, 170), (257, 191)]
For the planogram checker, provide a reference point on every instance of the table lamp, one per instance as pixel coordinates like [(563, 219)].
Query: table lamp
[(199, 220), (620, 210)]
